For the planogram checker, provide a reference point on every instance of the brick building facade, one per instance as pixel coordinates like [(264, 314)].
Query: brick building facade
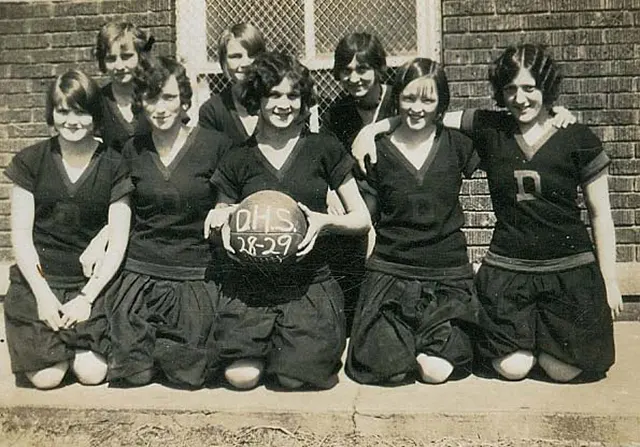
[(596, 40)]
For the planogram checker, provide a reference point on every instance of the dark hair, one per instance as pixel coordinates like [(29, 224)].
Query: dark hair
[(249, 36), (366, 48), (114, 31), (150, 81), (421, 67), (267, 71), (80, 92), (534, 58)]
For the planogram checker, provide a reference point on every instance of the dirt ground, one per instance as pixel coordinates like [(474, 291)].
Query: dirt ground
[(58, 428)]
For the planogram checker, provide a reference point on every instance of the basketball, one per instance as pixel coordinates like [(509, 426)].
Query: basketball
[(267, 227)]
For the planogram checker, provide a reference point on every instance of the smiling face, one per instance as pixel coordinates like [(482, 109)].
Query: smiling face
[(358, 78), (237, 60), (418, 103), (281, 107), (523, 99), (121, 60), (72, 125), (164, 111)]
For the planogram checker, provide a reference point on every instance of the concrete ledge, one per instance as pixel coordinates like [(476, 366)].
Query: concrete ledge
[(473, 408)]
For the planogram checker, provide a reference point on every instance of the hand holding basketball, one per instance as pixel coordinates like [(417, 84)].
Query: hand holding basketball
[(316, 222), (216, 218), (266, 227)]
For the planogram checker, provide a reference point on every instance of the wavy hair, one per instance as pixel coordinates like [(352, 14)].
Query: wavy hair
[(150, 81), (534, 58), (267, 71)]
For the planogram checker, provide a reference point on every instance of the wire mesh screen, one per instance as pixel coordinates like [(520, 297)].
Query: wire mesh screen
[(393, 21), (283, 24), (327, 88)]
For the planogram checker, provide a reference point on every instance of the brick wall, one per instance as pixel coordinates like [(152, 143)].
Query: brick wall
[(595, 39), (38, 41), (598, 43)]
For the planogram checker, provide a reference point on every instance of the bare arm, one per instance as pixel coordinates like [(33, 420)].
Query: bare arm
[(364, 143), (596, 194), (22, 221), (356, 220), (94, 254), (79, 308)]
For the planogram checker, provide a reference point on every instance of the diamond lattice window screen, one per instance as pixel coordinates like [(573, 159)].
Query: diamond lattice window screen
[(309, 28)]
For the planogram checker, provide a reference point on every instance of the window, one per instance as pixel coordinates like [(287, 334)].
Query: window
[(311, 28)]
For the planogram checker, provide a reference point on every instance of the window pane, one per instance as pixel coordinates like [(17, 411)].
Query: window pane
[(281, 22), (393, 21)]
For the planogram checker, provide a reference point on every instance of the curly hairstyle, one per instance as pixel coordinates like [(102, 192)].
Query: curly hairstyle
[(421, 67), (534, 58), (148, 83), (267, 71), (79, 92), (249, 37), (365, 47), (118, 31)]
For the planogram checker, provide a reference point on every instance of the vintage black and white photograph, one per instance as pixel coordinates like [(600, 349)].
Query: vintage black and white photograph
[(340, 223)]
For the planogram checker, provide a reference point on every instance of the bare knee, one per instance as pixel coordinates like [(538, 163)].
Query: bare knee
[(515, 366), (556, 369), (48, 378), (90, 368), (244, 374), (433, 369)]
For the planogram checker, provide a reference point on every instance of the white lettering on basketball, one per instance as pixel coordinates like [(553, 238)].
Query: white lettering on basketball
[(522, 193), (266, 219)]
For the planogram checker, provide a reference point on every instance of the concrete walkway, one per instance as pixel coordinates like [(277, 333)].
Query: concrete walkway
[(479, 408)]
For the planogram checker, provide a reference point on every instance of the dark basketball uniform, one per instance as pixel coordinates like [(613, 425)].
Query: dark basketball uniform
[(418, 294), (292, 318), (161, 308), (540, 281), (115, 129), (67, 217), (343, 120), (219, 113)]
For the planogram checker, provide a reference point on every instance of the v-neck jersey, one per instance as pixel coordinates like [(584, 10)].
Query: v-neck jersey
[(317, 162), (170, 203), (535, 199), (68, 215), (116, 130), (420, 218), (343, 120), (219, 113)]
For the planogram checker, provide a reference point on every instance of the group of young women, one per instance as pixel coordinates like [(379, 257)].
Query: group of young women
[(124, 272)]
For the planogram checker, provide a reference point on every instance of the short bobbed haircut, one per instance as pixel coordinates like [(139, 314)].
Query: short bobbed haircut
[(366, 48), (249, 37), (77, 91), (534, 58), (148, 82), (117, 31), (418, 68), (267, 71)]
